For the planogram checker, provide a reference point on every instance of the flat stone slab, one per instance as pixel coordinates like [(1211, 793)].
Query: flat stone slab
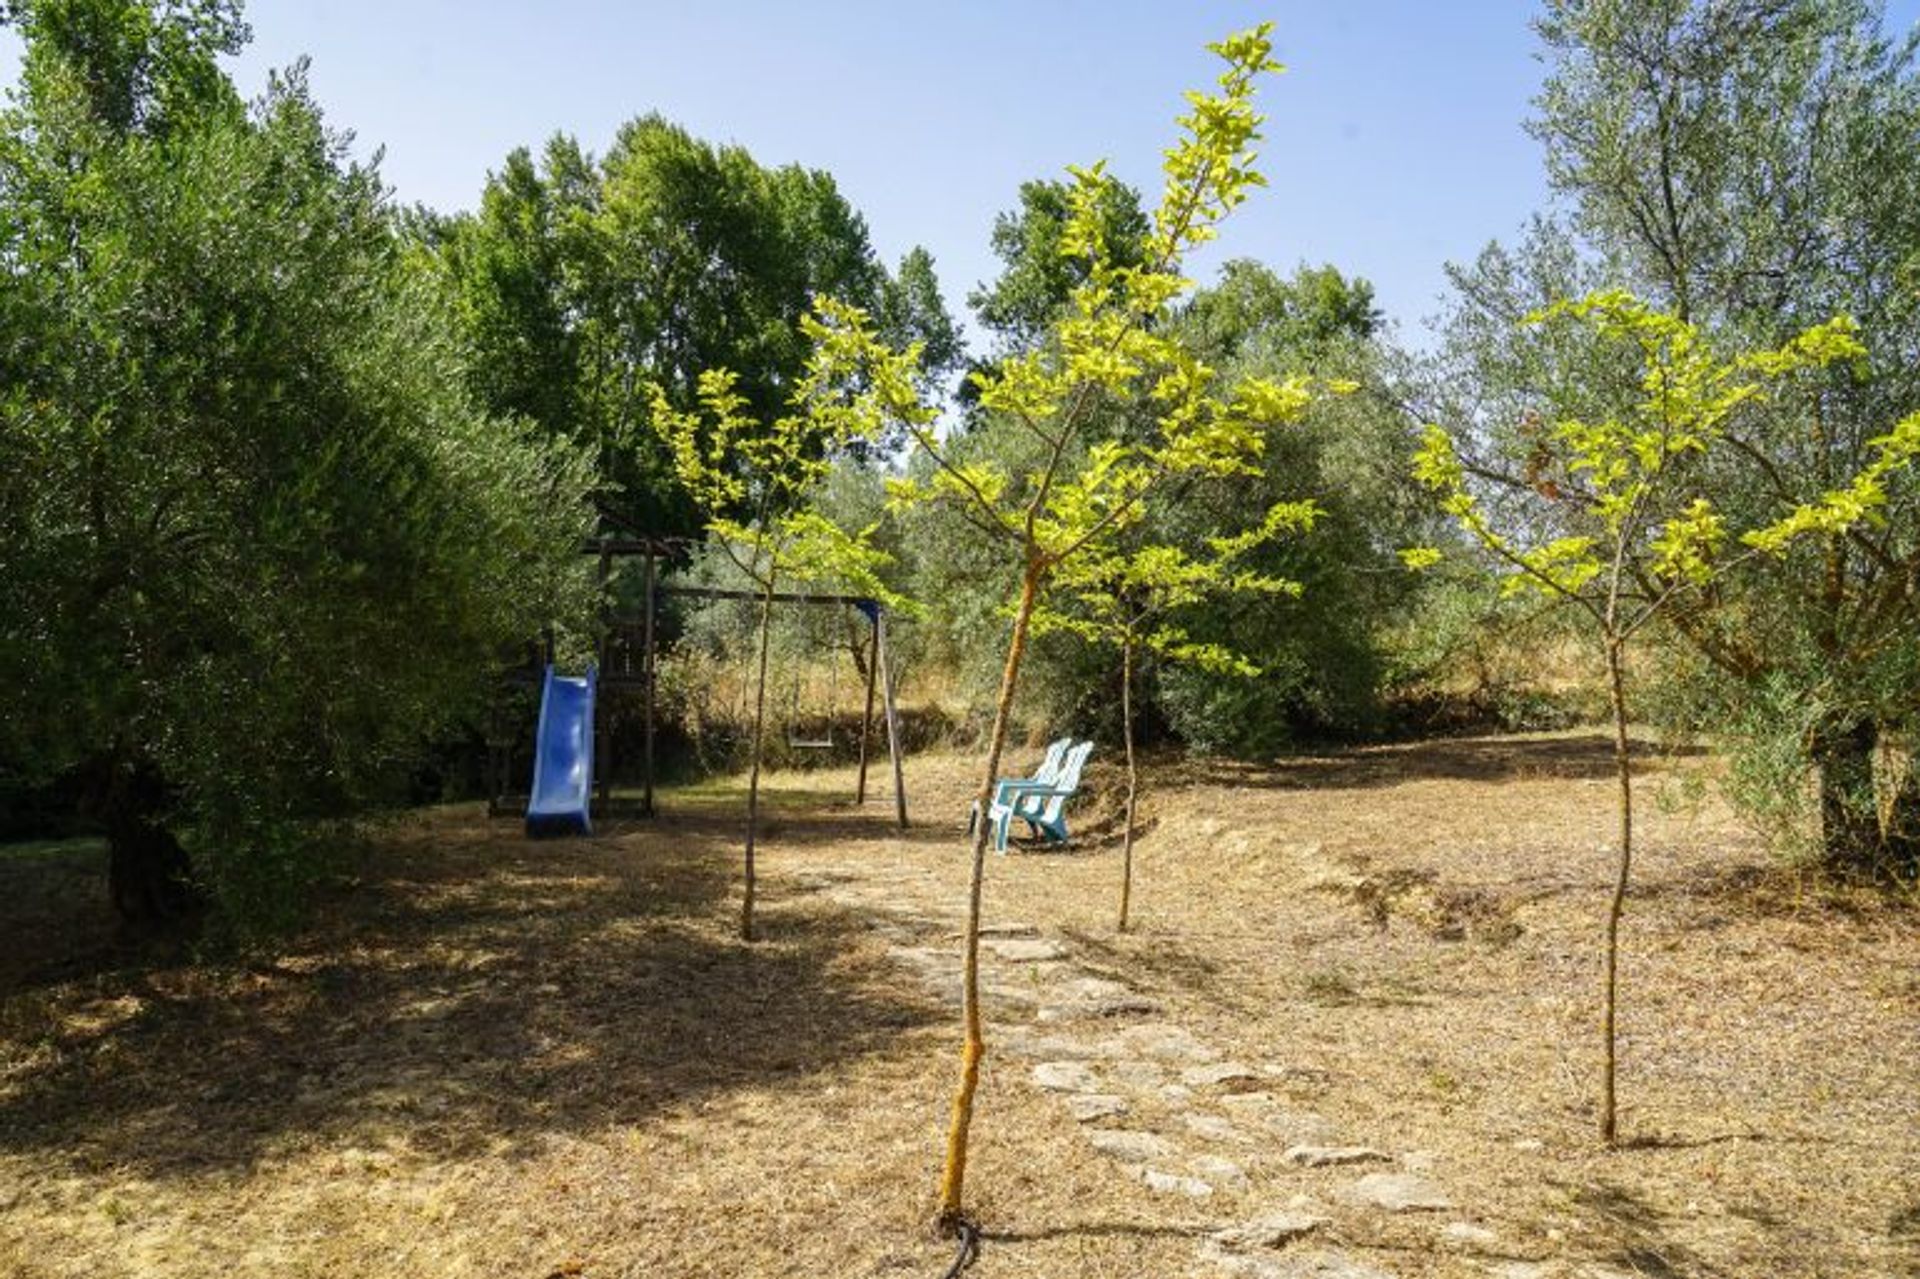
[(1219, 1171), (1169, 1183), (1095, 997), (1024, 950), (1296, 1127), (1129, 1147), (1398, 1192), (1099, 1009), (1248, 1102), (1027, 1043), (1271, 1230), (1218, 1075), (1066, 1076), (1088, 1107), (1333, 1156), (1464, 1234), (1162, 1041), (929, 958), (1214, 1128), (1141, 1076), (1314, 1263)]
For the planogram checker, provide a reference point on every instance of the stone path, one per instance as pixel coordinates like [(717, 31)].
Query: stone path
[(1171, 1109)]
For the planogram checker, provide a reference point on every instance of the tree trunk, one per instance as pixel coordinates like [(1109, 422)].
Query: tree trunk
[(149, 878), (973, 1049), (1901, 833), (1850, 842), (753, 773), (1133, 780), (1623, 768)]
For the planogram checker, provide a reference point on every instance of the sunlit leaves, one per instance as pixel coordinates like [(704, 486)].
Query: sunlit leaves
[(1633, 479), (754, 478)]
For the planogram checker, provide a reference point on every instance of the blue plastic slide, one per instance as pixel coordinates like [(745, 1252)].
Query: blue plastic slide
[(563, 757)]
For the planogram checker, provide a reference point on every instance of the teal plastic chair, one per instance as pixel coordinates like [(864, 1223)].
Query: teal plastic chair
[(1042, 776), (1041, 805)]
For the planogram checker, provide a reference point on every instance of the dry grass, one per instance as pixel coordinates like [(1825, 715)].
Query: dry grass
[(527, 1059)]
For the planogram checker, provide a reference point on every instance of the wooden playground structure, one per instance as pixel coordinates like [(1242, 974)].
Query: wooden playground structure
[(627, 655)]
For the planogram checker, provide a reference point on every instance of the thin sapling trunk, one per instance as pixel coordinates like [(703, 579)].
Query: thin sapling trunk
[(953, 1177), (1133, 779), (753, 773), (1623, 767)]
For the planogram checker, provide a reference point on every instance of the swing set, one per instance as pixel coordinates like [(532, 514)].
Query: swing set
[(618, 668)]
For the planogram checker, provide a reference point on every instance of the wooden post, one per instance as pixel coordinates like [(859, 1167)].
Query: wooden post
[(893, 717), (602, 735), (866, 718), (648, 667)]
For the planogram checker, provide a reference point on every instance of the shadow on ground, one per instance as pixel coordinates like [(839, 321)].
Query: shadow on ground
[(475, 992)]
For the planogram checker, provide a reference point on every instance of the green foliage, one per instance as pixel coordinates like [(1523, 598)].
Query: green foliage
[(583, 283), (1039, 273), (252, 531), (1754, 167), (1631, 529)]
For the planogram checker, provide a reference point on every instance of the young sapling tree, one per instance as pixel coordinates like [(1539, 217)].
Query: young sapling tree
[(1109, 350), (1636, 537), (755, 481), (1124, 593)]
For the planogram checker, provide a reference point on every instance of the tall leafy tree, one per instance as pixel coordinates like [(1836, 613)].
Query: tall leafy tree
[(1625, 529), (758, 482), (1105, 351), (585, 282), (255, 540), (1754, 166), (1321, 656), (1128, 593)]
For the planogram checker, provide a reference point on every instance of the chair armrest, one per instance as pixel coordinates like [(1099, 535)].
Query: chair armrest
[(1013, 784)]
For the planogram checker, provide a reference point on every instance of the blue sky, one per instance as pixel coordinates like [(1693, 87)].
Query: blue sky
[(1395, 140)]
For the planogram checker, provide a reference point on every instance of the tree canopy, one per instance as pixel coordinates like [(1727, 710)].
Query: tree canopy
[(583, 282), (256, 541)]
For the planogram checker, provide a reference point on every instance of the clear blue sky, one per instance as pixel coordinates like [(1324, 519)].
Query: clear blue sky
[(1395, 140)]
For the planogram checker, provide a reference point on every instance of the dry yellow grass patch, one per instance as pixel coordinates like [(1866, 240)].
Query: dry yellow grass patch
[(498, 1057)]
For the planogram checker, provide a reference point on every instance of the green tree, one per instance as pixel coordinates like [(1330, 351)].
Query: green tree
[(1323, 657), (757, 482), (256, 543), (1105, 352), (1626, 532), (1037, 278), (1127, 595), (585, 282), (1754, 166)]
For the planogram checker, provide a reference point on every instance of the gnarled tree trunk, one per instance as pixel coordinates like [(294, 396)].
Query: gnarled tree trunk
[(1851, 843), (149, 878)]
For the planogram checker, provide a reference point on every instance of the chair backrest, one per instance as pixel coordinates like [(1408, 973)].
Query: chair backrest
[(1068, 782), (1050, 764)]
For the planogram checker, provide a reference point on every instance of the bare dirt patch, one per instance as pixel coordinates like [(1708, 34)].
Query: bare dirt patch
[(504, 1058)]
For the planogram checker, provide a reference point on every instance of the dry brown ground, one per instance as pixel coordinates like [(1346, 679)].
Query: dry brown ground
[(527, 1059)]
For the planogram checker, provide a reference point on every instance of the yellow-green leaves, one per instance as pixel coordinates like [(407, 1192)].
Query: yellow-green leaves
[(1622, 511), (753, 478), (1859, 502), (1420, 558), (1686, 546)]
